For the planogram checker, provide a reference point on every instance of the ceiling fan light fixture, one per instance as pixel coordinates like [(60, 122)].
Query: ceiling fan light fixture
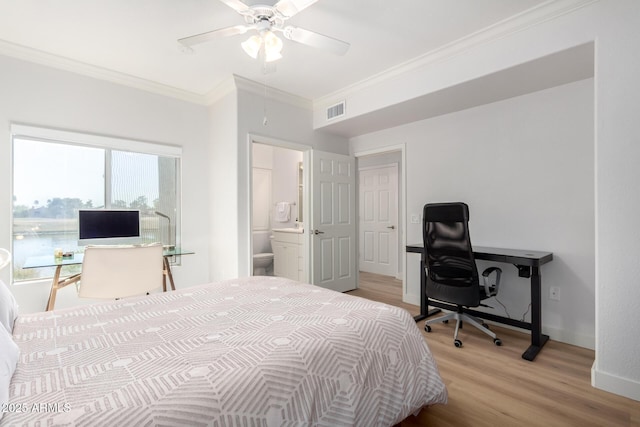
[(264, 19), (272, 42), (272, 56), (252, 46), (272, 46)]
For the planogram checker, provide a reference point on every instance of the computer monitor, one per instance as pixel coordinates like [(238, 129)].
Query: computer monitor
[(108, 227)]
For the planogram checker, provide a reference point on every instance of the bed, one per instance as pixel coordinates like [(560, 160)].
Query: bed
[(258, 351)]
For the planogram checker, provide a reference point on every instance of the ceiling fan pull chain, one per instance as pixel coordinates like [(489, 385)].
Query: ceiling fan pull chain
[(264, 100)]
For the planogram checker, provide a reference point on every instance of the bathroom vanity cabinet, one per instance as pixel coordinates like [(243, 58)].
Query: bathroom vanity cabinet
[(288, 256)]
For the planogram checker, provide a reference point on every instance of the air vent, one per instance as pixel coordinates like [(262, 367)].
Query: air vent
[(335, 111)]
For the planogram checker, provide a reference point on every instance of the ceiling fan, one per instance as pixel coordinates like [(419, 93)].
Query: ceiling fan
[(266, 21)]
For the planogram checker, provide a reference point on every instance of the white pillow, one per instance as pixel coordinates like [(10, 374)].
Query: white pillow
[(8, 361), (8, 308)]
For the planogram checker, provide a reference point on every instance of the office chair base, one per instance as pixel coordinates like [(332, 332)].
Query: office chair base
[(460, 318)]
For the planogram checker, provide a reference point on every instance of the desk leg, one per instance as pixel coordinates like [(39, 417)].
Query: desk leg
[(424, 299), (54, 289), (538, 339), (164, 274), (167, 272)]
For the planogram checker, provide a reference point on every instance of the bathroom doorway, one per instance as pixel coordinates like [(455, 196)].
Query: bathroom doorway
[(324, 239), (277, 210)]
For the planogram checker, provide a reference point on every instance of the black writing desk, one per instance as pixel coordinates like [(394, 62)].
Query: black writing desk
[(528, 264)]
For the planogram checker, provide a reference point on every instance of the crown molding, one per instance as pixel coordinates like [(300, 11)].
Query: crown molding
[(61, 63), (256, 88), (226, 87), (235, 83), (546, 11), (230, 84), (549, 10)]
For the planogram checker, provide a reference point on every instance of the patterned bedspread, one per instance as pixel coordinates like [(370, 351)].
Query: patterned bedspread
[(259, 351)]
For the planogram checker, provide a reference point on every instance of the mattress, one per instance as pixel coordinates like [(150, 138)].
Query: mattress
[(258, 351)]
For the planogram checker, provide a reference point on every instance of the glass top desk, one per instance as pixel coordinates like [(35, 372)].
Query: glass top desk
[(44, 261)]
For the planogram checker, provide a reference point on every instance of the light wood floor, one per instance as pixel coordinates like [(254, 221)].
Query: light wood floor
[(494, 386)]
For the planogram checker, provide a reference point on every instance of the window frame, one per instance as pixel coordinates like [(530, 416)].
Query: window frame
[(108, 144)]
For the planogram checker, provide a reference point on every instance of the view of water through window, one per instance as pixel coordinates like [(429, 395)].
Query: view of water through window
[(52, 181)]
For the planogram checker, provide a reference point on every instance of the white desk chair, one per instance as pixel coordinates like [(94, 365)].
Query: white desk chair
[(111, 272), (5, 258)]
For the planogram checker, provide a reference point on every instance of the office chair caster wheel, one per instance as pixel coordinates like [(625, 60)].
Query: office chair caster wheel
[(457, 343), (497, 341), (427, 328), (445, 321)]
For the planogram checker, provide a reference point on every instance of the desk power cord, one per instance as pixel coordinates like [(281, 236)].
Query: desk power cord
[(507, 311)]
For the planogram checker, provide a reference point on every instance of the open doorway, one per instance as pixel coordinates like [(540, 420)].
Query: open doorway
[(325, 241), (381, 227), (277, 211)]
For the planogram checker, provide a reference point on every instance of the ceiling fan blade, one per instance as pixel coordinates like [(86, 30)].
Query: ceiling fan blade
[(210, 35), (290, 7), (318, 40), (236, 5)]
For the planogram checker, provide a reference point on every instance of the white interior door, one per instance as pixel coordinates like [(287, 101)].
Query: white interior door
[(378, 195), (333, 221)]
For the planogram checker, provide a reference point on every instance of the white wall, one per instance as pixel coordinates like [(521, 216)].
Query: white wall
[(286, 121), (222, 192), (38, 95), (525, 167), (285, 183), (262, 156), (262, 162), (262, 171), (617, 365), (613, 26)]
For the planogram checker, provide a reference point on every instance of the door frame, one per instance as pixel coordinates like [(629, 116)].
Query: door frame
[(280, 143), (402, 208), (386, 165)]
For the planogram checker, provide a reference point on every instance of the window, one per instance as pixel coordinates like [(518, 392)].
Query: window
[(55, 173)]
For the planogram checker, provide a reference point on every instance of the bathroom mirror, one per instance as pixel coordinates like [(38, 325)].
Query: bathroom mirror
[(300, 192)]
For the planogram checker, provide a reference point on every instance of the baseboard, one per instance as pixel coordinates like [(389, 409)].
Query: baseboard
[(560, 335), (570, 337), (614, 384), (411, 299)]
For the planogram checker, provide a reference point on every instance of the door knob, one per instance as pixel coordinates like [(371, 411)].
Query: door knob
[(393, 227), (318, 232)]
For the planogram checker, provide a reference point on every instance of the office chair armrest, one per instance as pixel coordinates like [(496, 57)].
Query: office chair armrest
[(488, 289)]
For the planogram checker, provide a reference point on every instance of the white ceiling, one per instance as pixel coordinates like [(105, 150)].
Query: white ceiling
[(137, 39)]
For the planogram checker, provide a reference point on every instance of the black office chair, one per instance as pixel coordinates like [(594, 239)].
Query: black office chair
[(452, 275)]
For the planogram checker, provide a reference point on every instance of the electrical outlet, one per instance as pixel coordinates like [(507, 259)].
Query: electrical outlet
[(554, 293), (415, 219)]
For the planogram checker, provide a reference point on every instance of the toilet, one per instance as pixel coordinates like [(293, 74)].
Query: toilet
[(261, 262)]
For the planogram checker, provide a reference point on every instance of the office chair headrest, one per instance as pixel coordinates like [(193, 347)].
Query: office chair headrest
[(446, 212)]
